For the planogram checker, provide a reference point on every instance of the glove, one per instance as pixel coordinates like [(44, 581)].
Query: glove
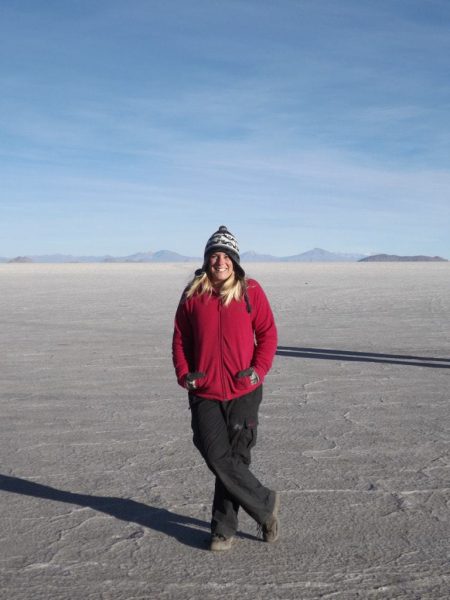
[(250, 372), (191, 380)]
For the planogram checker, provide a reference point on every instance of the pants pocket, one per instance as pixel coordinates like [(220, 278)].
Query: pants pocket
[(250, 429), (244, 439)]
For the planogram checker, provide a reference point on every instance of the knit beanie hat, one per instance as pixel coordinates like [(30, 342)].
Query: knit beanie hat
[(223, 240)]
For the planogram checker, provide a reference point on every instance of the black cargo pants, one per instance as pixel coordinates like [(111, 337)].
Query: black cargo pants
[(224, 433)]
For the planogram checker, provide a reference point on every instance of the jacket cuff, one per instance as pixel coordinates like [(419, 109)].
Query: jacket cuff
[(182, 380)]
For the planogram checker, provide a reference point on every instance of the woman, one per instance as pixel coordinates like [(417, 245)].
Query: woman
[(223, 346)]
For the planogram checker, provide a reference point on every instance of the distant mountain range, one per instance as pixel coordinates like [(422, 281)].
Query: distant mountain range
[(167, 256), (314, 255), (139, 257), (395, 258)]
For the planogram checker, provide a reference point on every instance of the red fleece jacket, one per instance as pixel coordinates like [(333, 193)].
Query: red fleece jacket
[(220, 341)]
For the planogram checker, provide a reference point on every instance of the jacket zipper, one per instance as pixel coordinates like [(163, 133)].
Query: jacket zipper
[(222, 379)]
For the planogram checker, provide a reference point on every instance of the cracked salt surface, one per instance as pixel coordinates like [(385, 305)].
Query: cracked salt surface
[(103, 496)]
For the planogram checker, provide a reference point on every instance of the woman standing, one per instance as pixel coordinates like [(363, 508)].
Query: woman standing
[(223, 346)]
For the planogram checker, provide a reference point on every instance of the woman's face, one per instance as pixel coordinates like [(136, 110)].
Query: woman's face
[(220, 267)]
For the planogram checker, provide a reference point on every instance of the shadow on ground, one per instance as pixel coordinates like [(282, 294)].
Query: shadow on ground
[(182, 528), (393, 359)]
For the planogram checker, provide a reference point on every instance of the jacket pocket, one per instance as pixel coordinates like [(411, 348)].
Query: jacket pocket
[(242, 383)]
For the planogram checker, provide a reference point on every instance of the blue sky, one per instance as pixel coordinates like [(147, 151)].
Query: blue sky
[(144, 125)]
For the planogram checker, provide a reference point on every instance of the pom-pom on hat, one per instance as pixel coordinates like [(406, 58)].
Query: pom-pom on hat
[(223, 240)]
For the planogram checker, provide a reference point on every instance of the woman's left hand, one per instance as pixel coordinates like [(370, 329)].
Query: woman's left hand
[(250, 372)]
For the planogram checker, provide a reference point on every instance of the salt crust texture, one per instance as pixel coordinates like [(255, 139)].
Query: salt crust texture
[(103, 496)]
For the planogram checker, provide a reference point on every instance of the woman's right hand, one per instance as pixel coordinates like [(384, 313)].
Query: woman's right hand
[(191, 380)]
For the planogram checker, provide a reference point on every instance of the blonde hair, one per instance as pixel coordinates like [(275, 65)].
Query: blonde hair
[(233, 288)]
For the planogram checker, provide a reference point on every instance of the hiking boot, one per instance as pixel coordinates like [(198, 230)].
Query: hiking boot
[(271, 528), (219, 542)]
